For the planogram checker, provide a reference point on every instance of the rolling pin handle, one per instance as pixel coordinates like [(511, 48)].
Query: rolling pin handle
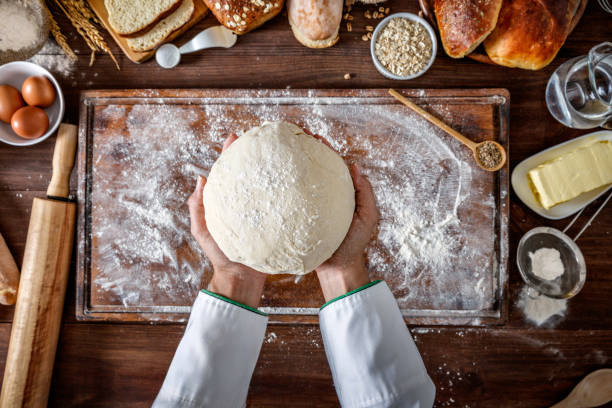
[(63, 161)]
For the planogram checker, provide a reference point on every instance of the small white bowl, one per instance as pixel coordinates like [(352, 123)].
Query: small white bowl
[(381, 26), (15, 73)]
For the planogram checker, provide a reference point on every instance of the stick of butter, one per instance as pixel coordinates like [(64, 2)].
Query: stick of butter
[(565, 177)]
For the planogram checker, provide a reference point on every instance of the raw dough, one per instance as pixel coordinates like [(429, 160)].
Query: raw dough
[(278, 200)]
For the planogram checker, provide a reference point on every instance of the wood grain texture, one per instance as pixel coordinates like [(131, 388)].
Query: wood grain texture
[(517, 365)]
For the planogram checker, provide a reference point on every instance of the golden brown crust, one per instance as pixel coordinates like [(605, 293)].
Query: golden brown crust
[(464, 24), (160, 17), (315, 23), (242, 16), (529, 33)]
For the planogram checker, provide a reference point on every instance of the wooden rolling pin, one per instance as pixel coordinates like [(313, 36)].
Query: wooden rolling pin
[(9, 275), (44, 274)]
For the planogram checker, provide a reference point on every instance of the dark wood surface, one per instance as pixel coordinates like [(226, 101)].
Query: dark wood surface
[(123, 365)]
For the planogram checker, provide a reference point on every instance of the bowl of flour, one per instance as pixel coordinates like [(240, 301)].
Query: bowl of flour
[(24, 29), (551, 263)]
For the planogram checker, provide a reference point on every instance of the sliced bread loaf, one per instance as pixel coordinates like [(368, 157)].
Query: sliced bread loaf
[(135, 17), (156, 35)]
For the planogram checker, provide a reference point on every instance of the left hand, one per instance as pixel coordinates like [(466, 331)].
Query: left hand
[(230, 279)]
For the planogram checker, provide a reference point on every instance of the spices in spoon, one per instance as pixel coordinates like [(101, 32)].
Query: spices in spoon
[(489, 155), (404, 47)]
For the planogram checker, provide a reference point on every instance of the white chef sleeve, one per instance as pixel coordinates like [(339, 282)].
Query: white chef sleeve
[(214, 362), (373, 359)]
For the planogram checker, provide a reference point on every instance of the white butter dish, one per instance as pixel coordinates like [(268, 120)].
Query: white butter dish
[(521, 187)]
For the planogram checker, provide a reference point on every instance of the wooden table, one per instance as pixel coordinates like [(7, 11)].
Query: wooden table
[(123, 365)]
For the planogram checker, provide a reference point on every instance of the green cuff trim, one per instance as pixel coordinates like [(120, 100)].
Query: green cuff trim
[(233, 302), (351, 293)]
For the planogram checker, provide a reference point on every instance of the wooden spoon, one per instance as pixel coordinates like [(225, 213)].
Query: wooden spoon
[(593, 391), (472, 145)]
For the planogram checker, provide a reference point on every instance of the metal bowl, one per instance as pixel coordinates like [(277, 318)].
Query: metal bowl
[(381, 26), (565, 286)]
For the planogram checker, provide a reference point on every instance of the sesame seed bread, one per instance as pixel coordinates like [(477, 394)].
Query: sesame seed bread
[(156, 35), (130, 18), (315, 23), (242, 16)]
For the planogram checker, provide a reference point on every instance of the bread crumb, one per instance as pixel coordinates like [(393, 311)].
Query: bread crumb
[(347, 76)]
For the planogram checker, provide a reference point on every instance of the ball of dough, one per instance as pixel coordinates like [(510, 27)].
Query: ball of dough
[(279, 200)]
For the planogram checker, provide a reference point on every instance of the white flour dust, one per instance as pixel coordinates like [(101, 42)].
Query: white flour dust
[(427, 250), (52, 58), (546, 263), (20, 27), (539, 308)]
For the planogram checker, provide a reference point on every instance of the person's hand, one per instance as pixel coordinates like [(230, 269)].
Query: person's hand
[(230, 279), (346, 270)]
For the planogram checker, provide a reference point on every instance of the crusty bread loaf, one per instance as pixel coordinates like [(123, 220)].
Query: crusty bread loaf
[(464, 24), (315, 23), (242, 16), (529, 33), (156, 35), (131, 18)]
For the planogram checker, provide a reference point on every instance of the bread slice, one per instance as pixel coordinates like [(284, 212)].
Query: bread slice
[(464, 24), (131, 18), (163, 29), (315, 23)]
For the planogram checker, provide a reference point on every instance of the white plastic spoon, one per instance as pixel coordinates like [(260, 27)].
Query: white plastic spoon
[(169, 55)]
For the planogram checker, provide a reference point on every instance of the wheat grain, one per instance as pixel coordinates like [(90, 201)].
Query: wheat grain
[(83, 19), (60, 38)]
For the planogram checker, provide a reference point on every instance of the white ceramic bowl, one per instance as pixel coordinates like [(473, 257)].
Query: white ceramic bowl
[(381, 26), (15, 73)]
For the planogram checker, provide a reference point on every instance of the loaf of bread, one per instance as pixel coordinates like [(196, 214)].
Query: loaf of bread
[(464, 24), (162, 30), (131, 18), (242, 16), (315, 23), (529, 33)]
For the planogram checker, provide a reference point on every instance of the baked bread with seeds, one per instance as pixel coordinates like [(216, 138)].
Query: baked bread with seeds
[(242, 16)]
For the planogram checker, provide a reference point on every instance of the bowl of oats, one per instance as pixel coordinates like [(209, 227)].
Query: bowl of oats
[(403, 46)]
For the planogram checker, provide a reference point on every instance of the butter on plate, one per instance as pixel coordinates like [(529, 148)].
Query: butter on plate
[(565, 177)]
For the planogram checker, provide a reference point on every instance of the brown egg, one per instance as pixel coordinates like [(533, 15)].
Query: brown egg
[(30, 122), (10, 101), (38, 91)]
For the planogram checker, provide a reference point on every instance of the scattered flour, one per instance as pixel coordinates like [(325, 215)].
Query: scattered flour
[(52, 58), (429, 251), (539, 308), (546, 263)]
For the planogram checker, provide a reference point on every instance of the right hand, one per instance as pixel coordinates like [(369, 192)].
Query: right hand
[(346, 269)]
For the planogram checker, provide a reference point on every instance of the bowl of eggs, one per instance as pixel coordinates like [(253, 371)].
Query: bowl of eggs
[(31, 104)]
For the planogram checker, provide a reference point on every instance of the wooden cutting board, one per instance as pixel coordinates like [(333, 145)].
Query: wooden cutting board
[(98, 7), (442, 244)]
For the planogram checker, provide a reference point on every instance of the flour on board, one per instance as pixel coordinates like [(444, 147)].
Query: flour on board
[(425, 250)]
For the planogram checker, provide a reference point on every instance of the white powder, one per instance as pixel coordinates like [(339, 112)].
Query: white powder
[(539, 308), (52, 58), (19, 28), (546, 263)]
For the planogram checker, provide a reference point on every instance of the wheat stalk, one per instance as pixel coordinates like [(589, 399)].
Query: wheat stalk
[(60, 38), (83, 20)]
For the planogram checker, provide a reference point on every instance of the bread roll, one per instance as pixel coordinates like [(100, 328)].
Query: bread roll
[(242, 16), (464, 24), (529, 33), (315, 23)]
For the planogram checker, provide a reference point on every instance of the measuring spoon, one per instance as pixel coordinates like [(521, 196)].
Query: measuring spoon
[(169, 55), (474, 147)]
